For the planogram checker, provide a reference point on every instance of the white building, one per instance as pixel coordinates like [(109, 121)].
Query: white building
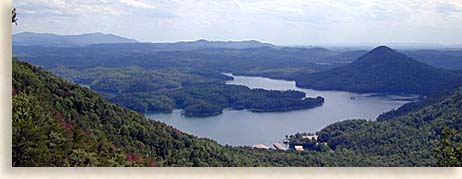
[(299, 148), (260, 146)]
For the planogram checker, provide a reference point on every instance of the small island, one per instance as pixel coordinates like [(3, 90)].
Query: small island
[(255, 100), (290, 105)]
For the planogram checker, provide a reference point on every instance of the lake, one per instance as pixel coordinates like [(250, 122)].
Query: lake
[(242, 127)]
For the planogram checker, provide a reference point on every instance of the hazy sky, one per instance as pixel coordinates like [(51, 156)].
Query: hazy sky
[(284, 22)]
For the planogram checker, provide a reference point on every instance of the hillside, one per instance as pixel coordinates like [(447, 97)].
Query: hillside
[(53, 40), (382, 70)]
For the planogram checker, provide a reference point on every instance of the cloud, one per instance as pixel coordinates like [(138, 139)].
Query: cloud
[(67, 7), (450, 8), (138, 4), (279, 21)]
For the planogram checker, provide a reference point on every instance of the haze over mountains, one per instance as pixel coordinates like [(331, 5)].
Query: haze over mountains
[(382, 70), (53, 40)]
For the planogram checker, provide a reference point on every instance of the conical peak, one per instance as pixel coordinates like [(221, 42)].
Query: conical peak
[(382, 49)]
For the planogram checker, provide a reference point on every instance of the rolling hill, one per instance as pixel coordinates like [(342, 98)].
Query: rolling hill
[(382, 70)]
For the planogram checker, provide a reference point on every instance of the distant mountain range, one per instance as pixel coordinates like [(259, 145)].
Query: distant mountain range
[(185, 45), (53, 40), (382, 70)]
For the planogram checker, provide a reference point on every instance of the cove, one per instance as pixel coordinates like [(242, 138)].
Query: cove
[(242, 127)]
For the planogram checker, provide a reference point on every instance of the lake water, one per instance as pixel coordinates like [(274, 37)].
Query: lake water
[(242, 127)]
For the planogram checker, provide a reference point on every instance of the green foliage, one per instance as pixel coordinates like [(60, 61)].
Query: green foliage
[(37, 137), (45, 132), (449, 151)]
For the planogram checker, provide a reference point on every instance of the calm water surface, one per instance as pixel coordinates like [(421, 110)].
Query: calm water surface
[(243, 127)]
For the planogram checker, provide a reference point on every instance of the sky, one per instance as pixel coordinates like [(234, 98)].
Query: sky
[(282, 22)]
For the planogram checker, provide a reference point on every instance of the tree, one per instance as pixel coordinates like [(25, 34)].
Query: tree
[(13, 13)]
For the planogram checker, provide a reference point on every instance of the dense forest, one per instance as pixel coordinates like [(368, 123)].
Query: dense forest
[(382, 70), (58, 123)]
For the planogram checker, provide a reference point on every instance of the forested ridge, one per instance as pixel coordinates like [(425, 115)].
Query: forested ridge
[(58, 123)]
